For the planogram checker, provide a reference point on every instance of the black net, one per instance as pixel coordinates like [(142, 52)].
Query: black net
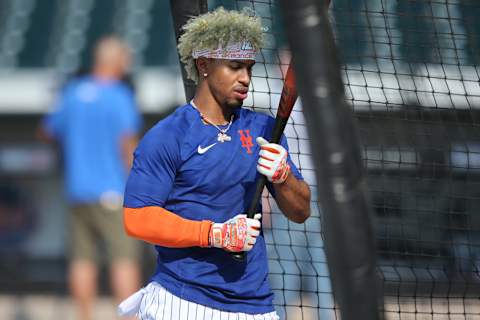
[(411, 78)]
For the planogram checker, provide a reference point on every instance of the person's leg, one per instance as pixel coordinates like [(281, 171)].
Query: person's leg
[(83, 270), (122, 253), (83, 276), (124, 278)]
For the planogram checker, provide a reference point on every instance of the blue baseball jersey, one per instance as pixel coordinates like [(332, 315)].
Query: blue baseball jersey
[(89, 121), (181, 166)]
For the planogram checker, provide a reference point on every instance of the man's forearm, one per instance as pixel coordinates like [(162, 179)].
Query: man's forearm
[(293, 198)]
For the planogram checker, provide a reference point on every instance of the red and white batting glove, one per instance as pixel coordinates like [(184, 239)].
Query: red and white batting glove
[(237, 234), (272, 162)]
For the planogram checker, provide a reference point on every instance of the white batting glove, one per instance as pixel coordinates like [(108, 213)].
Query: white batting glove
[(237, 234), (272, 162)]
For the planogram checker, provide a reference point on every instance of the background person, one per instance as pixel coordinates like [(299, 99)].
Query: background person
[(96, 123)]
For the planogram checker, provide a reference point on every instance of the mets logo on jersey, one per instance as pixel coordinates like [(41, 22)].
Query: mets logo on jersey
[(246, 140)]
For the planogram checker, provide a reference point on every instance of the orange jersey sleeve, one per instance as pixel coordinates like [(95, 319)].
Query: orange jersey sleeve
[(164, 228)]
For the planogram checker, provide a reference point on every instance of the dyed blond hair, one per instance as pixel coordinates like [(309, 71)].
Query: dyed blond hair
[(219, 27)]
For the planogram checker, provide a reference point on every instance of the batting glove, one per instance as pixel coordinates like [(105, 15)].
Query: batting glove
[(272, 162), (237, 234)]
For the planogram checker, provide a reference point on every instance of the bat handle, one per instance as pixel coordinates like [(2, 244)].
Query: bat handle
[(252, 210)]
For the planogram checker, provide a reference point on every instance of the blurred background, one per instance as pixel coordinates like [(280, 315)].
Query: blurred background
[(42, 45), (411, 75)]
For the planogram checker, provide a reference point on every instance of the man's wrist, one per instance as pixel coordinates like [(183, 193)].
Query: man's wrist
[(206, 230), (215, 235)]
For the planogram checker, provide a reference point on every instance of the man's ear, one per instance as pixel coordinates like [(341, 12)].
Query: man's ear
[(202, 64)]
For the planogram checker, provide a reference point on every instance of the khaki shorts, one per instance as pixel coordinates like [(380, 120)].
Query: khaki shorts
[(95, 227)]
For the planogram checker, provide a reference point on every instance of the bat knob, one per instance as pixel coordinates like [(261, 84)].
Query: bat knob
[(238, 256)]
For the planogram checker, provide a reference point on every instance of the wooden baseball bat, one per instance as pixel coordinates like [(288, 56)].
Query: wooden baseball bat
[(285, 106)]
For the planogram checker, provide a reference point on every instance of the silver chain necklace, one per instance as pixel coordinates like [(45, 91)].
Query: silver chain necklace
[(222, 135)]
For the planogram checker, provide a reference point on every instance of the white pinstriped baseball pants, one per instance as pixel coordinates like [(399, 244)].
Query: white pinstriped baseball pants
[(155, 303)]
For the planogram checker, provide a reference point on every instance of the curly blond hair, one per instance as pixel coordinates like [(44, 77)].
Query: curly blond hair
[(219, 27)]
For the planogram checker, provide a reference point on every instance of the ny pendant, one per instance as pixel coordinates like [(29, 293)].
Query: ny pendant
[(222, 137)]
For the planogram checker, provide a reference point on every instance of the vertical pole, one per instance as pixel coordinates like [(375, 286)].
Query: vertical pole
[(182, 11), (346, 213)]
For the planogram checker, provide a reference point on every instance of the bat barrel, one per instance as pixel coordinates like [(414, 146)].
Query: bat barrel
[(287, 101)]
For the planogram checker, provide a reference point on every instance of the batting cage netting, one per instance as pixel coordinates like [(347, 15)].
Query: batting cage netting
[(411, 79)]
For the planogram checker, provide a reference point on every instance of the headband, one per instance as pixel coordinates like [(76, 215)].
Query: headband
[(233, 51)]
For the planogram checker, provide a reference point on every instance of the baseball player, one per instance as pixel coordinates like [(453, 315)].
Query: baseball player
[(194, 176)]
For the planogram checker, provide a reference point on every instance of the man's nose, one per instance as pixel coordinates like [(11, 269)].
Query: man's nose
[(244, 77)]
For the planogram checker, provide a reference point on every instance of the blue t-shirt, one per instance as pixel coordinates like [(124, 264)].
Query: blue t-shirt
[(89, 121), (179, 165)]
